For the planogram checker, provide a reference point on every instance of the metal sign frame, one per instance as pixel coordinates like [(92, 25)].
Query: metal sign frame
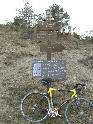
[(49, 69)]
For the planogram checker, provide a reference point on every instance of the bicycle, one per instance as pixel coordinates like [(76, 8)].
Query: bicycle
[(37, 106)]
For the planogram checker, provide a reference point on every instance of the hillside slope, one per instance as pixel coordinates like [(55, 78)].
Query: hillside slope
[(16, 57)]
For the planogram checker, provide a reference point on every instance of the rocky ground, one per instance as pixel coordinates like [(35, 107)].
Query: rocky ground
[(16, 57)]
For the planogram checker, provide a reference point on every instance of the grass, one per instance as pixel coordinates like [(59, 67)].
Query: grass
[(13, 102), (87, 61)]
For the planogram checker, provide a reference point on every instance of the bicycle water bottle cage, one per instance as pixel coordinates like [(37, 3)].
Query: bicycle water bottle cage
[(46, 81)]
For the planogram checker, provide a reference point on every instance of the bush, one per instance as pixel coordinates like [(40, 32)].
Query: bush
[(76, 35), (18, 21), (10, 26), (88, 38), (91, 39)]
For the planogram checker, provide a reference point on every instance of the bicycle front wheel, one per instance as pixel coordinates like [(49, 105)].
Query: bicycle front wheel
[(79, 111), (35, 106)]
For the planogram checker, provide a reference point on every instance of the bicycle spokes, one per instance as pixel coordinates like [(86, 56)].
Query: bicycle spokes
[(35, 107), (80, 111)]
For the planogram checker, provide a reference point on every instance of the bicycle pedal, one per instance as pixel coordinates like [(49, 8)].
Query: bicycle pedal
[(59, 115)]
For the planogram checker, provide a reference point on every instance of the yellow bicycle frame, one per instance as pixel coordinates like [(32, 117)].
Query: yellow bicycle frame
[(50, 94), (53, 89), (74, 93)]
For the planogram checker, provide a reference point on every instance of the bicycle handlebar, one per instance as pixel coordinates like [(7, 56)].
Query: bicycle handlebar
[(79, 88)]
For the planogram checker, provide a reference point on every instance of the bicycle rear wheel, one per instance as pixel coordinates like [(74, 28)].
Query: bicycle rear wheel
[(35, 106), (79, 111)]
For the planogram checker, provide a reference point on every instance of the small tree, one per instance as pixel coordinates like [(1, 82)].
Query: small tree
[(59, 15), (26, 14)]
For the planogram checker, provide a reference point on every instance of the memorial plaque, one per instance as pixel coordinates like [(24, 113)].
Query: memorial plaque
[(49, 69)]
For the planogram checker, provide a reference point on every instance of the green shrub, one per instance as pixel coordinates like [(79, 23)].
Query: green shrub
[(91, 39), (76, 35), (11, 26)]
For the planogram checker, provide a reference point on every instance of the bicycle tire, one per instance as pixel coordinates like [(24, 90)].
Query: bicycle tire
[(35, 106), (79, 111)]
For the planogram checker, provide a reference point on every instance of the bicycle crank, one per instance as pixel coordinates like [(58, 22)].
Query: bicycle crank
[(53, 112)]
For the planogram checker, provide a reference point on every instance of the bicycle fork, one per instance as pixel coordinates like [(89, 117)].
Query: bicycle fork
[(51, 95), (53, 112)]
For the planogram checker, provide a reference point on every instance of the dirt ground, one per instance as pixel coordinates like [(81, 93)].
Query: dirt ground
[(16, 57)]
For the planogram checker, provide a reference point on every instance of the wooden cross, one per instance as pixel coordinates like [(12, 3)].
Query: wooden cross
[(50, 48)]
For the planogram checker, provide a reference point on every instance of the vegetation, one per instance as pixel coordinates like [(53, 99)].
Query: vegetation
[(59, 15), (25, 15), (76, 35), (26, 19), (89, 38)]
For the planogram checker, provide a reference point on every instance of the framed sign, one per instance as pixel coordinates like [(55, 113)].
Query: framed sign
[(49, 69)]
